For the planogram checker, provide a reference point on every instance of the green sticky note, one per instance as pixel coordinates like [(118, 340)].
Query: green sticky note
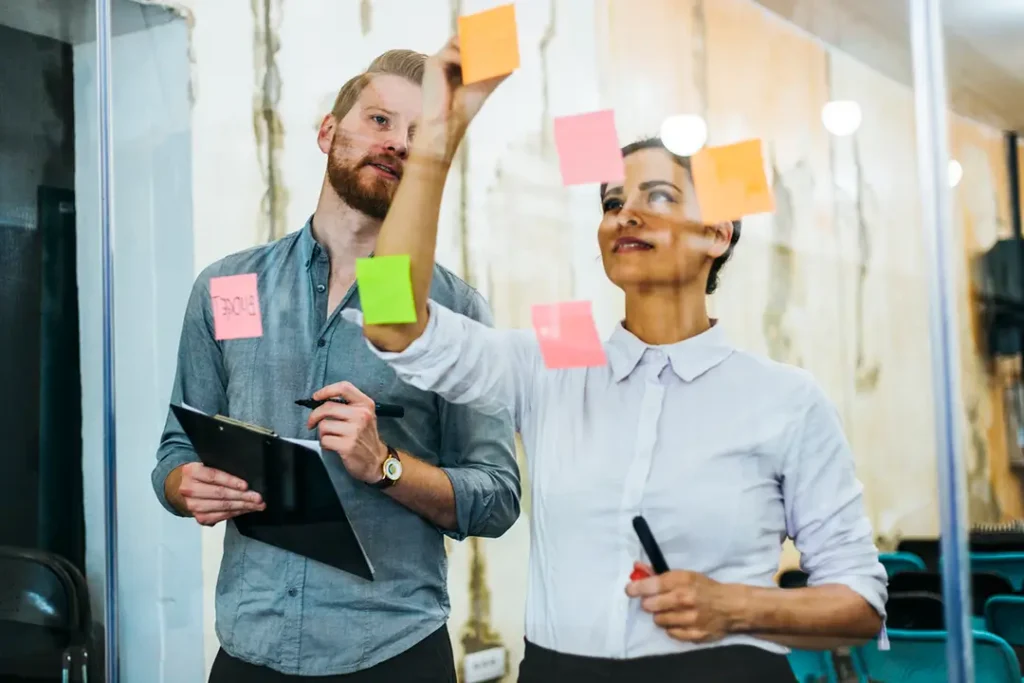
[(385, 290)]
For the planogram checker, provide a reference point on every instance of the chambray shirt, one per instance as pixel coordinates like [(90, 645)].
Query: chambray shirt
[(281, 610), (725, 454)]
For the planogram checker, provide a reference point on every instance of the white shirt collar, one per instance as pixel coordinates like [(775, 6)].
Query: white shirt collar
[(689, 358)]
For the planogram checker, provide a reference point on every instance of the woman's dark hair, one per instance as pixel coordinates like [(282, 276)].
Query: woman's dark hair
[(656, 143)]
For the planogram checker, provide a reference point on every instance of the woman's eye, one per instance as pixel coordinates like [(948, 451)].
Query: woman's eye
[(659, 196), (612, 204), (380, 120)]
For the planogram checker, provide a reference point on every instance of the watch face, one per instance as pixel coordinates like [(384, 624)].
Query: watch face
[(392, 468)]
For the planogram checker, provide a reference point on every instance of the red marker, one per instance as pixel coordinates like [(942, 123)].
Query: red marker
[(638, 573)]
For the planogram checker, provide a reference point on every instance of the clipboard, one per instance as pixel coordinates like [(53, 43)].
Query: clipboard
[(304, 514)]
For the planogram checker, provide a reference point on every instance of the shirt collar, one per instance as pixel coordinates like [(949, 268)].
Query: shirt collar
[(308, 247), (689, 358)]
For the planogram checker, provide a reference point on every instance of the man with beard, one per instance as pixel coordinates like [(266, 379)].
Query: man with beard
[(440, 470)]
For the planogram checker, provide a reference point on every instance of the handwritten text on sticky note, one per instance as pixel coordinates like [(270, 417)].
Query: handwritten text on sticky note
[(567, 335), (385, 290), (236, 307), (489, 44), (730, 182), (588, 148)]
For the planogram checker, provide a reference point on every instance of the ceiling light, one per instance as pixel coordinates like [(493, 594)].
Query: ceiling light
[(684, 134), (841, 117), (956, 172)]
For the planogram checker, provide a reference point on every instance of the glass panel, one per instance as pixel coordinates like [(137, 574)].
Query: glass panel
[(223, 129), (52, 534)]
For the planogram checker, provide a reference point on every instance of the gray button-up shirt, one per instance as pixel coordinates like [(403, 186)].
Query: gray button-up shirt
[(278, 609)]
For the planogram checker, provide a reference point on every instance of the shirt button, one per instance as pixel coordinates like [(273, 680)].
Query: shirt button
[(321, 343), (321, 289), (293, 592)]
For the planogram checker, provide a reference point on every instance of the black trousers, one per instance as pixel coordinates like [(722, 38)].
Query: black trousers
[(428, 661), (725, 664)]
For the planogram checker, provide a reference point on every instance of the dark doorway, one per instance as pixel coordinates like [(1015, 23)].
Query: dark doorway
[(40, 386)]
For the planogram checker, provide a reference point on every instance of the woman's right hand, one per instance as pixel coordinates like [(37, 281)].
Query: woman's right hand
[(448, 105)]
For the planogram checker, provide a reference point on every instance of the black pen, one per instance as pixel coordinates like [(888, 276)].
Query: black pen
[(382, 409), (658, 563)]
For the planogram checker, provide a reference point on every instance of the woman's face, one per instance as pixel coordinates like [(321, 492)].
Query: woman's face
[(650, 235)]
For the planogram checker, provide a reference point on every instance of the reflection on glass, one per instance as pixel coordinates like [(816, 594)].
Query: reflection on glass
[(219, 148)]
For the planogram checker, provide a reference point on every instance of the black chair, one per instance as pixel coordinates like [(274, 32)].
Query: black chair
[(44, 617), (983, 586), (915, 582), (918, 611), (793, 578)]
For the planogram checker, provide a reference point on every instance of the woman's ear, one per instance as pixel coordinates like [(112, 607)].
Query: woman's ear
[(719, 238)]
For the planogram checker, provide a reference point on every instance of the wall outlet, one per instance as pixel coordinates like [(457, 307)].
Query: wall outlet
[(485, 665)]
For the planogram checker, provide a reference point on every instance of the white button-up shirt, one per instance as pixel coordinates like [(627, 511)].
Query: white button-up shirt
[(723, 452)]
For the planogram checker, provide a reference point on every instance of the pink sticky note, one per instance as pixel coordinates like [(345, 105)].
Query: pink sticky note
[(588, 148), (236, 307), (567, 335)]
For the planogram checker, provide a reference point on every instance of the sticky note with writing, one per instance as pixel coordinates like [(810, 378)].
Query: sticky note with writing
[(730, 182), (385, 290), (236, 307), (567, 335), (588, 148), (489, 44)]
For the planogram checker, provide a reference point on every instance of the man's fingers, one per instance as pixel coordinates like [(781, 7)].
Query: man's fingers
[(345, 390), (211, 518), (210, 475), (337, 412), (684, 619), (205, 505), (191, 488), (337, 428), (351, 393)]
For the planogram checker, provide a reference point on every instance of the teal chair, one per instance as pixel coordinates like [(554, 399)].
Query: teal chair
[(895, 563), (1010, 565), (810, 666), (1004, 616), (920, 657)]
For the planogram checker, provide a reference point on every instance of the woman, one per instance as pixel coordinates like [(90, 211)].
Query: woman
[(724, 453)]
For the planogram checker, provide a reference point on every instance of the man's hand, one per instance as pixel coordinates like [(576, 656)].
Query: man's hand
[(350, 430), (689, 606), (210, 495), (448, 105)]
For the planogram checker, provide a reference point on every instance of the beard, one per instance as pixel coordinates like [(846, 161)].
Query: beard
[(371, 197)]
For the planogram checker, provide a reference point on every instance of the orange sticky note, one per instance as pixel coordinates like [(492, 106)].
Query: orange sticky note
[(567, 335), (489, 44), (236, 307), (588, 148), (731, 183)]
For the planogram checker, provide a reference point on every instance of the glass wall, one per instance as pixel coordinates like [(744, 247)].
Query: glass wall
[(855, 400)]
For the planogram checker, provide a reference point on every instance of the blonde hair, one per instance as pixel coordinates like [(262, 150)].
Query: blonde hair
[(405, 63)]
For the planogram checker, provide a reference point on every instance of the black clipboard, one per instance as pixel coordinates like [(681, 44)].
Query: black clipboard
[(304, 514)]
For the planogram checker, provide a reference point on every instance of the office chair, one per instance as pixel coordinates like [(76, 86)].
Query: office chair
[(44, 616)]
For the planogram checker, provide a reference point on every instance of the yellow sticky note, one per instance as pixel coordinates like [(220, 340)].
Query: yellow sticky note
[(489, 43), (385, 290), (730, 182)]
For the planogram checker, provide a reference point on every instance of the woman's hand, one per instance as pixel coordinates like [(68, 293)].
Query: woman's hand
[(448, 105), (689, 606)]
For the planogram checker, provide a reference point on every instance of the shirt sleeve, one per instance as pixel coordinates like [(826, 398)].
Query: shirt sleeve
[(478, 456), (467, 363), (200, 381), (824, 504)]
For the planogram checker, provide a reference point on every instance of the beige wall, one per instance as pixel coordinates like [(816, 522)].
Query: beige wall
[(834, 281)]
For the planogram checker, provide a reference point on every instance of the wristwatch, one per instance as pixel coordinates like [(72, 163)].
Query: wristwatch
[(391, 471)]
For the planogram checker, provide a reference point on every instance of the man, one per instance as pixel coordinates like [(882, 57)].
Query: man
[(280, 616)]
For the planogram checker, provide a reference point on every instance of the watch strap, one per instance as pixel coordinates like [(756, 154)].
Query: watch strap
[(385, 481)]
